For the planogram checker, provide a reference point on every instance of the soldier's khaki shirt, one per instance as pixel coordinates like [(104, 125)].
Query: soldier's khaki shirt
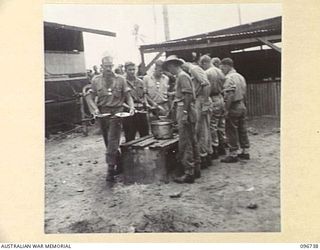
[(216, 79), (157, 89), (183, 86), (110, 92), (236, 84), (136, 89)]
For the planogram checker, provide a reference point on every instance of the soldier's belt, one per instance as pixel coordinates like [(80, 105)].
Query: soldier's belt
[(179, 103), (237, 101), (138, 105)]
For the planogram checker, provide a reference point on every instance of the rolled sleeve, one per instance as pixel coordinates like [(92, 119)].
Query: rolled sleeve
[(229, 85)]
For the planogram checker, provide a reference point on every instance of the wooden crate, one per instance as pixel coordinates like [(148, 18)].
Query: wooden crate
[(148, 160)]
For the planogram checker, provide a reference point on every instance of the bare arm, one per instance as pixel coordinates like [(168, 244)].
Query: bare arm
[(129, 100), (145, 90), (90, 96), (229, 97)]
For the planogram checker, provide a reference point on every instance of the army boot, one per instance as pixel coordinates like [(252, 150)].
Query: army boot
[(197, 174), (204, 162), (221, 150), (186, 178), (230, 159), (244, 154), (214, 154), (197, 171), (208, 159), (110, 173)]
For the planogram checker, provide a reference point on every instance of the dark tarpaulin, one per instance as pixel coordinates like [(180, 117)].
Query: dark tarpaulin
[(253, 65), (62, 39), (62, 108)]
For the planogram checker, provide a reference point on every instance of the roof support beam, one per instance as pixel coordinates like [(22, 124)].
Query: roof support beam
[(270, 44), (209, 44), (153, 60)]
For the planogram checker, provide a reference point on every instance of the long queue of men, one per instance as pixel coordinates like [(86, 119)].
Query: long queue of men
[(206, 100)]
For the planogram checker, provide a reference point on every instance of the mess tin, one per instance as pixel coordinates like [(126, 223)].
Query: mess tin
[(103, 115), (120, 115)]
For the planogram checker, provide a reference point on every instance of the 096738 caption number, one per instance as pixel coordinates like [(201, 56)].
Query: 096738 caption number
[(309, 245)]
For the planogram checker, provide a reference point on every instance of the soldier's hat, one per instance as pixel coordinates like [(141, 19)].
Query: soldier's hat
[(172, 59)]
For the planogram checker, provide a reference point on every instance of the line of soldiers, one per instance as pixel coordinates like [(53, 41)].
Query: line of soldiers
[(207, 101)]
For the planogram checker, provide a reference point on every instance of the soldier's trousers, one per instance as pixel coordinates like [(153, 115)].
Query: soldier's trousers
[(203, 128), (188, 145), (236, 127), (133, 124), (217, 129), (217, 121), (111, 131)]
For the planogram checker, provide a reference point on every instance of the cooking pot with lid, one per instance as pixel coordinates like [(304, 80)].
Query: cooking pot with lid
[(162, 129)]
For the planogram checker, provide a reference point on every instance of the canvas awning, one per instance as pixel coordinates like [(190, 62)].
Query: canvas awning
[(82, 29)]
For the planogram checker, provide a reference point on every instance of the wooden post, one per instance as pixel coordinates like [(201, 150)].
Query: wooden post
[(143, 64), (239, 14), (166, 22), (153, 61)]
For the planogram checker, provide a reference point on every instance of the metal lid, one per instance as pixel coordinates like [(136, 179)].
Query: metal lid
[(162, 122)]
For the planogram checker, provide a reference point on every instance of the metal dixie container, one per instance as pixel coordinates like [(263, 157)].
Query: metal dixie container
[(162, 129)]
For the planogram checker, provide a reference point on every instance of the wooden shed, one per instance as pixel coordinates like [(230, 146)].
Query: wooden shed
[(253, 48), (65, 73)]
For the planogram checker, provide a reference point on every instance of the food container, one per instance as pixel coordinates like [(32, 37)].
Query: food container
[(162, 129), (122, 114), (103, 115)]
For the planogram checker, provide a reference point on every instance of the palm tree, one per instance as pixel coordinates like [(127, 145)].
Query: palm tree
[(138, 37)]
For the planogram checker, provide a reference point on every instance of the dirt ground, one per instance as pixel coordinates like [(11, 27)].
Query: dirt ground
[(241, 197)]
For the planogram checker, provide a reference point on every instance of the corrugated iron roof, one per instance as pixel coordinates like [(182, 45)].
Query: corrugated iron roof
[(265, 27)]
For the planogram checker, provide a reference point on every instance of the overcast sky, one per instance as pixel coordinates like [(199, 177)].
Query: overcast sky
[(184, 20)]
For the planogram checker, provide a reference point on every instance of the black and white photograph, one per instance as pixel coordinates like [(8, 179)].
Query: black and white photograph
[(162, 118)]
